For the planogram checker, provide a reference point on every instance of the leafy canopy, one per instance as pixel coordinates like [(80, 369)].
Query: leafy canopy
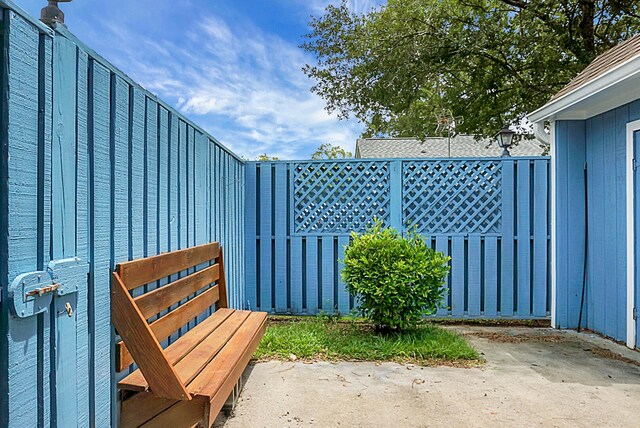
[(328, 151), (487, 61)]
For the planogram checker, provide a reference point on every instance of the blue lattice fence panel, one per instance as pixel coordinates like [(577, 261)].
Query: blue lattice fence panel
[(453, 196), (340, 197)]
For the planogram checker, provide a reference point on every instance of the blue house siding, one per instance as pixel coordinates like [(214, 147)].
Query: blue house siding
[(599, 141), (569, 164)]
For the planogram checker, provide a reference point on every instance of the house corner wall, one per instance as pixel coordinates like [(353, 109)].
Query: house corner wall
[(570, 157)]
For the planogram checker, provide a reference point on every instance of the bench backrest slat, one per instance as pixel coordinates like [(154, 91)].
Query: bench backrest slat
[(158, 372), (161, 298), (164, 326), (207, 285), (143, 271)]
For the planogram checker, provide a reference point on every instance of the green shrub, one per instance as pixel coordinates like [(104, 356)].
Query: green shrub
[(396, 279)]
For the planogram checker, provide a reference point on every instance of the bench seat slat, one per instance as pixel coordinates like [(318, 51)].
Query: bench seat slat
[(235, 353), (193, 363), (181, 347), (161, 298), (143, 271)]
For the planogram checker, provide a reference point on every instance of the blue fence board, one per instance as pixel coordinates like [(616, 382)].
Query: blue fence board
[(83, 359), (507, 253), (523, 291), (490, 214), (474, 282), (491, 305)]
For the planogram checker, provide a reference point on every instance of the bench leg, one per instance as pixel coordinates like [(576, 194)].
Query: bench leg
[(230, 404)]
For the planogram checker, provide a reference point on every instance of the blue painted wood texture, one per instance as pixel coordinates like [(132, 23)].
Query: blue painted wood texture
[(93, 166), (299, 216), (600, 142)]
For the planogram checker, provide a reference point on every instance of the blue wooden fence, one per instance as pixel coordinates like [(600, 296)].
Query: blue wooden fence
[(95, 169), (490, 215)]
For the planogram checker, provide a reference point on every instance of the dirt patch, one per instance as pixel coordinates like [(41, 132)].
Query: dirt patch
[(481, 322), (517, 338), (605, 353), (432, 362)]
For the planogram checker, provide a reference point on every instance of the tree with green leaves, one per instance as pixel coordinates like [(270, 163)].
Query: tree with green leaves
[(265, 158), (329, 151), (486, 61)]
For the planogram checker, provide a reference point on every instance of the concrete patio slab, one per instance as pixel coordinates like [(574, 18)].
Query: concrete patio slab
[(532, 377)]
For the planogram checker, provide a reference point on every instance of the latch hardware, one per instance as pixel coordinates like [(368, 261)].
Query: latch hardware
[(32, 293), (43, 290)]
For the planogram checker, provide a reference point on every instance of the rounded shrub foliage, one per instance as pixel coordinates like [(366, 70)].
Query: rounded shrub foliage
[(396, 278)]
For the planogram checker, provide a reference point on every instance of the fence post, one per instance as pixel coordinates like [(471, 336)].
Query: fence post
[(395, 195)]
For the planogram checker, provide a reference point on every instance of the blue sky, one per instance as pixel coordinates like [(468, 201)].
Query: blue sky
[(233, 67)]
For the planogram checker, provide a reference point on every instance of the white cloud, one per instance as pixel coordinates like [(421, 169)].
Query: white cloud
[(243, 85)]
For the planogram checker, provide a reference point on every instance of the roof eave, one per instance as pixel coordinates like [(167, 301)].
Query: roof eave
[(567, 106)]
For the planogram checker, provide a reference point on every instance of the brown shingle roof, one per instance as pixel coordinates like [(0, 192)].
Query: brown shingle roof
[(603, 63)]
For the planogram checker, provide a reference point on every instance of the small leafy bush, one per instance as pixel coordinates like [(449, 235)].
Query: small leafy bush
[(397, 279)]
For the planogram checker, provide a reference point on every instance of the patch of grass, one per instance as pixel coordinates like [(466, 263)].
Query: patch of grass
[(312, 339)]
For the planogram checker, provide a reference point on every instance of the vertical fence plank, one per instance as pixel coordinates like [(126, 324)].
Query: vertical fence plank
[(474, 274), (19, 192), (311, 286), (266, 252), (82, 250), (507, 248), (252, 216), (183, 194), (45, 155), (327, 274), (63, 226), (100, 266), (524, 238), (136, 174), (491, 277), (120, 188), (540, 227), (163, 182), (151, 174), (280, 232), (296, 262), (162, 196), (458, 275), (172, 184), (201, 167)]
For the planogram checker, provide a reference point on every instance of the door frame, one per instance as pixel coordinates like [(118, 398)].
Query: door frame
[(632, 127)]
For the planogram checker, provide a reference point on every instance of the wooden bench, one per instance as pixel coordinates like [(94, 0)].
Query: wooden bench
[(188, 382)]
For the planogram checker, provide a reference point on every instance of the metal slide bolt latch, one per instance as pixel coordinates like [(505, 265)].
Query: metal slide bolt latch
[(41, 291), (32, 293)]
